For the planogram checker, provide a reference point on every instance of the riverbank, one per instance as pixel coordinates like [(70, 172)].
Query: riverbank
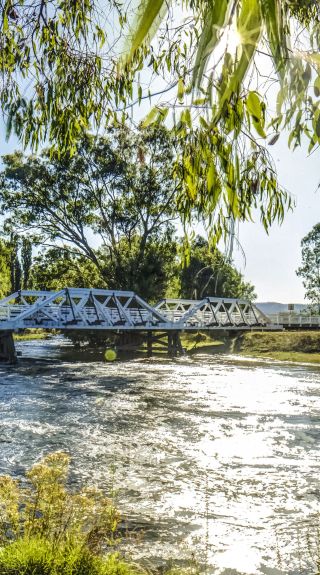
[(31, 335), (295, 346)]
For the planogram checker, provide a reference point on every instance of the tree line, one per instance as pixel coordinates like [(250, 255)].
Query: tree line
[(106, 216)]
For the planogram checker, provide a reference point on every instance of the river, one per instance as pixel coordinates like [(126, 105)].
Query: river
[(215, 458)]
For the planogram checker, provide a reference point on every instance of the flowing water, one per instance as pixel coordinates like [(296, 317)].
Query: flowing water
[(214, 458)]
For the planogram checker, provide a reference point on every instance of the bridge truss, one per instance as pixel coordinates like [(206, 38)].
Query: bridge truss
[(213, 313), (97, 309), (78, 309)]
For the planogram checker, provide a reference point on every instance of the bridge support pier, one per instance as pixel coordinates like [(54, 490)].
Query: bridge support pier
[(150, 342), (7, 347), (174, 344)]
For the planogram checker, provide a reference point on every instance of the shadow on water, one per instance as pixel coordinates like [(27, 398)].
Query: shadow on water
[(210, 454)]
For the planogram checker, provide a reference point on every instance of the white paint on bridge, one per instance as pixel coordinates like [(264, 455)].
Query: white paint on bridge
[(97, 309)]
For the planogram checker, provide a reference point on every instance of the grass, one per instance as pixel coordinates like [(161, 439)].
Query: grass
[(37, 556), (31, 335), (45, 529), (294, 346), (193, 342), (293, 356)]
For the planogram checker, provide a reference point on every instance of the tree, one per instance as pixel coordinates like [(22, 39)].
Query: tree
[(209, 274), (55, 269), (5, 276), (112, 202), (26, 259), (15, 265), (66, 57), (310, 268)]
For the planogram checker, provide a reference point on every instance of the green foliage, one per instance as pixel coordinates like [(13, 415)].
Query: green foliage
[(274, 27), (45, 529), (37, 556), (209, 274), (61, 76), (107, 210), (67, 61), (310, 268), (56, 268), (228, 55), (46, 509), (5, 276), (15, 263), (26, 258), (149, 275)]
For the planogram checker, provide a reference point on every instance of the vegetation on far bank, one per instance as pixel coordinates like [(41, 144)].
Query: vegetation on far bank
[(296, 346), (32, 334)]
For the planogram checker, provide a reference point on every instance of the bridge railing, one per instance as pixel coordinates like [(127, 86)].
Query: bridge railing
[(291, 320), (57, 316)]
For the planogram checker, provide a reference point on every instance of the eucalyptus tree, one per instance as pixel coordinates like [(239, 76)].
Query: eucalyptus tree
[(61, 73), (112, 202), (208, 273), (5, 280)]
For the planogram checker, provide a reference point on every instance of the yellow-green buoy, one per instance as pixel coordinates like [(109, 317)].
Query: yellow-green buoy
[(110, 355)]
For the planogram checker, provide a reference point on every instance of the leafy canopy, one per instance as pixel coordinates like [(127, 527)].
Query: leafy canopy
[(109, 208), (208, 273), (62, 74), (242, 71), (59, 72)]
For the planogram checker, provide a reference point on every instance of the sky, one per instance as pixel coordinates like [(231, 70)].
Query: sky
[(271, 260)]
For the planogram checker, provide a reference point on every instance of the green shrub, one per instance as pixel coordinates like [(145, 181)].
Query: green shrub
[(45, 529), (44, 508), (37, 556)]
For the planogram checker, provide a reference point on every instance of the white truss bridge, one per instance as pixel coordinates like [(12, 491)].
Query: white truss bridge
[(97, 309)]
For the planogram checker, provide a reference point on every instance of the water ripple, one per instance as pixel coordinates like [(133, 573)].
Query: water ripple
[(211, 454)]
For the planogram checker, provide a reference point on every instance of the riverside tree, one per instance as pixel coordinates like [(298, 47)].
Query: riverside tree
[(208, 273), (15, 264), (309, 271), (61, 74), (5, 279), (112, 204)]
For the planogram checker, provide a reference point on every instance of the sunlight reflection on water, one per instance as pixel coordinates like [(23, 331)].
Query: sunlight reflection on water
[(211, 454)]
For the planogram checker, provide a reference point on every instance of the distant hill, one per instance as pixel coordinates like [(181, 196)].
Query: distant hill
[(276, 307)]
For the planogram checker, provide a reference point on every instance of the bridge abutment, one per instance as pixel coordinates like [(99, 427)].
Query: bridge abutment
[(7, 347)]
